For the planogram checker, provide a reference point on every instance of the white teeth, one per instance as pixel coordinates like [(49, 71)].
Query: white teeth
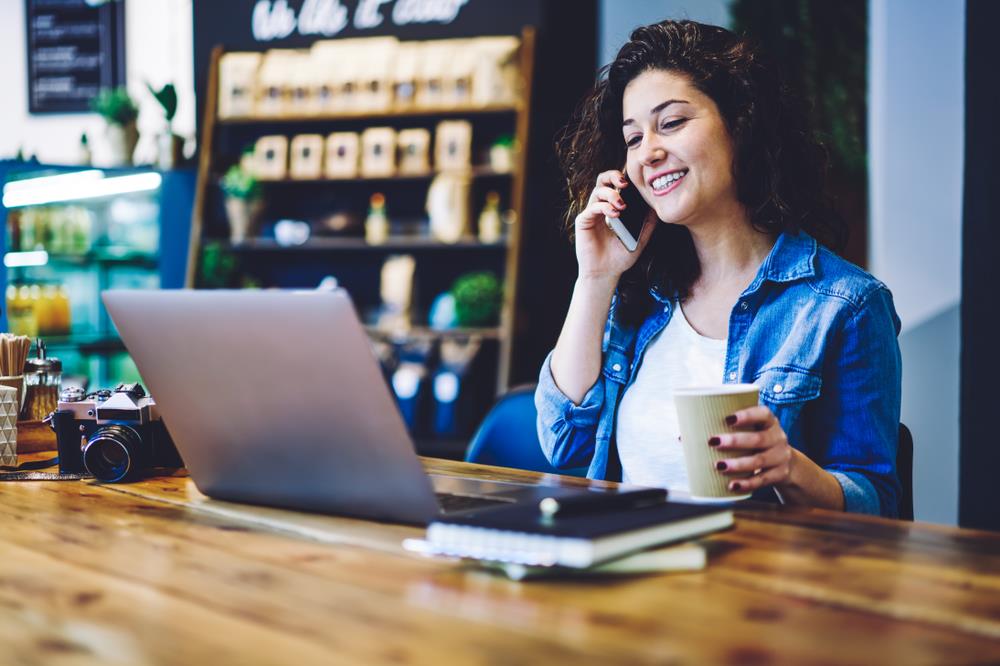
[(666, 181)]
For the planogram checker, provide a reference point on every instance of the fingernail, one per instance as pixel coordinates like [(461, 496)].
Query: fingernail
[(731, 419), (736, 486), (714, 441), (721, 466)]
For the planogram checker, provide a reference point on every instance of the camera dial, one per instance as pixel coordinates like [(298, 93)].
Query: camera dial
[(72, 394)]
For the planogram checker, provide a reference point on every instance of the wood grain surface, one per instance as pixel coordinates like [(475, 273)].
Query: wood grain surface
[(156, 573)]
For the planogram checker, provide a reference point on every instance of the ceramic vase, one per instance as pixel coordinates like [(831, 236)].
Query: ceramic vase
[(170, 150), (243, 215), (8, 426), (121, 142)]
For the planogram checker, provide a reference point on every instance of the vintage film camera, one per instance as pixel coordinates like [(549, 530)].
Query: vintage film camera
[(113, 435)]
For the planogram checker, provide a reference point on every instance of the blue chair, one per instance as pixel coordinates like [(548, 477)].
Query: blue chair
[(507, 436), (904, 467)]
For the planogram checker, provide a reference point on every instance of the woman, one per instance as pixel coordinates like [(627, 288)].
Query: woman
[(729, 283)]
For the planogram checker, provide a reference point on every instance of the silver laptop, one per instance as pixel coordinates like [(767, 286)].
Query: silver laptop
[(276, 398)]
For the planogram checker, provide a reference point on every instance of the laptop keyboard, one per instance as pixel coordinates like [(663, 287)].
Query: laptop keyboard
[(451, 503)]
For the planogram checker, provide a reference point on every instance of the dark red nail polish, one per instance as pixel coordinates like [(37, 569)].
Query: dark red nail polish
[(731, 419), (721, 466), (737, 486), (714, 441)]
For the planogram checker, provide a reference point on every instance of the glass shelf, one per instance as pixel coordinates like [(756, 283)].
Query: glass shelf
[(393, 244), (426, 333), (476, 172), (85, 343), (101, 256), (372, 115)]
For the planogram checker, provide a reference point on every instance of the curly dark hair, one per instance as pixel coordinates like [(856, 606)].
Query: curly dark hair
[(779, 166)]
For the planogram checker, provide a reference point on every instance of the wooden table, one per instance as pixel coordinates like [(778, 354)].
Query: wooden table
[(155, 573)]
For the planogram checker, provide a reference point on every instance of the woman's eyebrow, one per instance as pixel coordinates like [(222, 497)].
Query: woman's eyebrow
[(656, 109)]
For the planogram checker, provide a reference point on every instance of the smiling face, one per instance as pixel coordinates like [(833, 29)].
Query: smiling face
[(679, 154)]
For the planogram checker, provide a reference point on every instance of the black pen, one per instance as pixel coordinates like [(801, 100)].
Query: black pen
[(594, 502)]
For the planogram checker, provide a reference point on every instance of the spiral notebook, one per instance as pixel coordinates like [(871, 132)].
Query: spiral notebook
[(520, 534)]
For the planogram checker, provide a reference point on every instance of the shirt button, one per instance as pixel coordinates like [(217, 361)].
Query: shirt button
[(778, 388), (732, 376), (743, 305), (617, 367)]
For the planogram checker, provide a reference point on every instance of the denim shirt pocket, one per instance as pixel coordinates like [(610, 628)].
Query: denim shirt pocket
[(616, 365), (786, 389)]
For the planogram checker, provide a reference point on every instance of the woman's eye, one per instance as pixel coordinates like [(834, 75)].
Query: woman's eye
[(673, 123), (632, 141)]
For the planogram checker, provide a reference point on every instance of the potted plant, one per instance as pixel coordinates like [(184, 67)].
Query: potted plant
[(478, 297), (218, 267), (243, 202), (170, 147), (120, 114)]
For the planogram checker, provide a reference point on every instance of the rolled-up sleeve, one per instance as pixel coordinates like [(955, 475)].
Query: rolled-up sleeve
[(863, 409), (567, 431)]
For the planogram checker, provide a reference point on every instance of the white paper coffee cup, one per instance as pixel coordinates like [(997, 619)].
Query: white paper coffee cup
[(701, 414)]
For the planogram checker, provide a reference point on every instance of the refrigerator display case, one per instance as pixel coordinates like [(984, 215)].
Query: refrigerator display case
[(73, 233)]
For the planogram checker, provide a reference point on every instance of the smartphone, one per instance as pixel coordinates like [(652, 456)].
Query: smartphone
[(628, 225)]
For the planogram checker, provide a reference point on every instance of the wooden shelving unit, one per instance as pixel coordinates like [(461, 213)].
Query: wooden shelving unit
[(433, 256)]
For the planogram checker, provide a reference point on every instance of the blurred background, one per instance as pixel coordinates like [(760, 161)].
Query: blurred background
[(209, 144)]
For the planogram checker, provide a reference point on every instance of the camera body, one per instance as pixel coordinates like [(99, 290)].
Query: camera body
[(113, 435)]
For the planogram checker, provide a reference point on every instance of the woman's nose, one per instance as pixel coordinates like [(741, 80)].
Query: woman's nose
[(652, 153)]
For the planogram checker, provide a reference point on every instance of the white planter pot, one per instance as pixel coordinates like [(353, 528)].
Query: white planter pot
[(170, 150), (243, 216), (121, 142)]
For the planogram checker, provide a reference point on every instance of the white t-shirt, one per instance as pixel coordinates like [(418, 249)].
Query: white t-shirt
[(647, 432)]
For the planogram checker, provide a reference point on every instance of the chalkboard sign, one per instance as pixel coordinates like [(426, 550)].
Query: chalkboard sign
[(75, 48)]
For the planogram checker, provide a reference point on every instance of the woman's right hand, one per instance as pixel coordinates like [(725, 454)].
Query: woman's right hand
[(599, 252)]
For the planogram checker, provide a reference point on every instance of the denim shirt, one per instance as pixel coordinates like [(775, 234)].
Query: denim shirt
[(815, 333)]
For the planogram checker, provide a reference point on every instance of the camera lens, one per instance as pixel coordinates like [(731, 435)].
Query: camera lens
[(110, 453), (113, 455)]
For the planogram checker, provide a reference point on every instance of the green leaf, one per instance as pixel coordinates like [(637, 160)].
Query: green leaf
[(239, 183), (115, 105), (167, 97)]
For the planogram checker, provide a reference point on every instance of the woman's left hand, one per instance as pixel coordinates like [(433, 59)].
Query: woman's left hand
[(762, 450)]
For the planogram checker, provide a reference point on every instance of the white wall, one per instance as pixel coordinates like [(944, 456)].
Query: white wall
[(916, 125), (916, 139), (158, 49), (617, 18)]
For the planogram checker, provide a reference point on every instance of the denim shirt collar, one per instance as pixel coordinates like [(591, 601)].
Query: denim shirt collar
[(791, 258)]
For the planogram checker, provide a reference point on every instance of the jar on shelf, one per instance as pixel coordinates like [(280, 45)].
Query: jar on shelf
[(51, 308), (21, 311), (43, 380), (61, 312), (44, 309), (81, 232), (27, 221), (14, 229)]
